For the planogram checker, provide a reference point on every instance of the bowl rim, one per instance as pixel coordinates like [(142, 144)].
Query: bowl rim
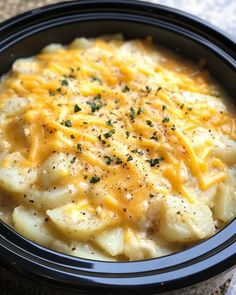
[(155, 272)]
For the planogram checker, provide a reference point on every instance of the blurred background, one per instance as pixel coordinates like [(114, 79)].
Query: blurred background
[(221, 13)]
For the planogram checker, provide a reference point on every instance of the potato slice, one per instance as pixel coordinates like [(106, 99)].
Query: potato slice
[(32, 225), (111, 241), (50, 199), (80, 249), (181, 221), (54, 169), (225, 203), (226, 154), (137, 247), (80, 221), (16, 180)]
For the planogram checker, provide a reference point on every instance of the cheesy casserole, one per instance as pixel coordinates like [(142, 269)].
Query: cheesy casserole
[(115, 150)]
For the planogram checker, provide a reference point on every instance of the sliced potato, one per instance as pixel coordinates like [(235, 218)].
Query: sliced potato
[(32, 225), (225, 203), (16, 180), (226, 154), (80, 249), (80, 221), (81, 43), (54, 169), (50, 199), (181, 221), (111, 241), (25, 66), (14, 106), (138, 248)]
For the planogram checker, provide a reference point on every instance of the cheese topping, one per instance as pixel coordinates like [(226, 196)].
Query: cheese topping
[(112, 144)]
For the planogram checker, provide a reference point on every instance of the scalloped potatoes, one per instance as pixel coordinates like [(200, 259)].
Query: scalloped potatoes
[(114, 150)]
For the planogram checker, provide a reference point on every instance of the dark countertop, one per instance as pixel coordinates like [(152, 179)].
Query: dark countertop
[(221, 13)]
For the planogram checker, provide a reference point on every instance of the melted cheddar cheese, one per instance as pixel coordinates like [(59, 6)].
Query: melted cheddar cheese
[(116, 148)]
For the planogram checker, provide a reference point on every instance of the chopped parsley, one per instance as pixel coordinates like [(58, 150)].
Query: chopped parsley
[(173, 127), (64, 82), (148, 89), (140, 111), (73, 160), (127, 134), (68, 123), (109, 160), (94, 179), (109, 123), (164, 107), (96, 78), (155, 162), (79, 147), (100, 139), (159, 88), (129, 158), (77, 108), (166, 120), (154, 136), (109, 133), (94, 106), (132, 113), (149, 123), (136, 151), (126, 89), (51, 92), (119, 161)]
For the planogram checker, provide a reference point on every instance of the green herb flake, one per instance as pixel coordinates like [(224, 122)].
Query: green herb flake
[(127, 134), (154, 136), (64, 82), (166, 120), (189, 109), (132, 114), (173, 128), (68, 123), (155, 162), (148, 89), (94, 106), (109, 133), (119, 161), (77, 108), (100, 139), (51, 92), (73, 160), (164, 107), (96, 78), (126, 89), (140, 111), (109, 123), (94, 179), (79, 147), (129, 158), (109, 160), (149, 123), (59, 89), (136, 151)]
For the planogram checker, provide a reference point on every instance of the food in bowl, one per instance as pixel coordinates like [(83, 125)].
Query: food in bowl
[(115, 150)]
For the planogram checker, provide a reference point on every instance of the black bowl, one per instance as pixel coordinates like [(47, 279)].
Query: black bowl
[(197, 270)]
